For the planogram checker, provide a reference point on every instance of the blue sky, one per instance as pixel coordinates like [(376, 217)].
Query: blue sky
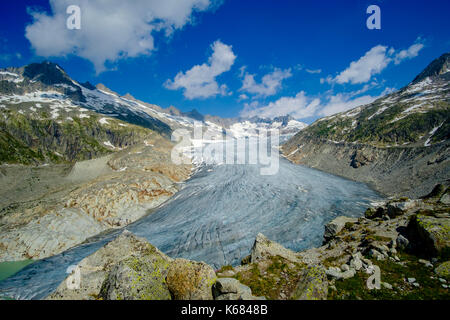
[(233, 57)]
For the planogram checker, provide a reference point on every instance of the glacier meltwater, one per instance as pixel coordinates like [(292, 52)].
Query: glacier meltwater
[(216, 217)]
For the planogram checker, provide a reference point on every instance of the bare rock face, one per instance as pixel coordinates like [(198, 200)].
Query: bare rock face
[(107, 272), (263, 248), (189, 280), (74, 203)]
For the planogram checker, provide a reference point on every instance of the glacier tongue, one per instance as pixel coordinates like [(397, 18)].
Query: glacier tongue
[(216, 217)]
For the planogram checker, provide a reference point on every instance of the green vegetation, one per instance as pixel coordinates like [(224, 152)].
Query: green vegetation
[(394, 273), (270, 278), (38, 138)]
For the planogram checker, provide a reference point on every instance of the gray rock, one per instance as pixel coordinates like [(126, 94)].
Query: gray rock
[(426, 263), (96, 268), (402, 242), (335, 273), (431, 233), (445, 199), (396, 209), (263, 248), (190, 280), (386, 285), (232, 289), (411, 280), (335, 226), (345, 267), (137, 278), (356, 263)]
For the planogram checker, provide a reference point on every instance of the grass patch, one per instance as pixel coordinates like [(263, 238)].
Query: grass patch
[(393, 273)]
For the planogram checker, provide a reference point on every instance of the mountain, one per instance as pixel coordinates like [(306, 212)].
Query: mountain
[(48, 79), (45, 116), (398, 144), (48, 116)]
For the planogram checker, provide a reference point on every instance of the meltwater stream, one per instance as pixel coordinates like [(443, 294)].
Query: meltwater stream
[(216, 217)]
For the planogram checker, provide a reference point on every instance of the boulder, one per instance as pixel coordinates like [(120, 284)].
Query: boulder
[(190, 280), (232, 289), (95, 269), (443, 270), (401, 242), (355, 262), (335, 226), (263, 248), (336, 273), (312, 284), (431, 234), (137, 278), (372, 213), (395, 209), (445, 199)]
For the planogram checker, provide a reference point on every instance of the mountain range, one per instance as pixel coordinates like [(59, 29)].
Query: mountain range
[(398, 144), (48, 117)]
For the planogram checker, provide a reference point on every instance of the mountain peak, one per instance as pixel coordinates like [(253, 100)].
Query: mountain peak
[(46, 72), (436, 68), (103, 88)]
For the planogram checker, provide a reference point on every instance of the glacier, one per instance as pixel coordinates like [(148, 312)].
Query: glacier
[(216, 216)]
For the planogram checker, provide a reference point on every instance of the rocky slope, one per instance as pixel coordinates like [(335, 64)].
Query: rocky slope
[(397, 144), (399, 250), (75, 161), (49, 209)]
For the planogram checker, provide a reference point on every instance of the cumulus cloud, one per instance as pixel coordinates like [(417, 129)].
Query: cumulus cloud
[(361, 71), (302, 106), (200, 80), (411, 52), (372, 63), (299, 106), (270, 83), (110, 30)]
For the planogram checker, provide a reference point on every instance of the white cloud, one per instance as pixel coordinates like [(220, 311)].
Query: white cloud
[(299, 106), (343, 102), (200, 80), (110, 30), (243, 97), (302, 106), (373, 62), (411, 52), (270, 83), (317, 71)]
